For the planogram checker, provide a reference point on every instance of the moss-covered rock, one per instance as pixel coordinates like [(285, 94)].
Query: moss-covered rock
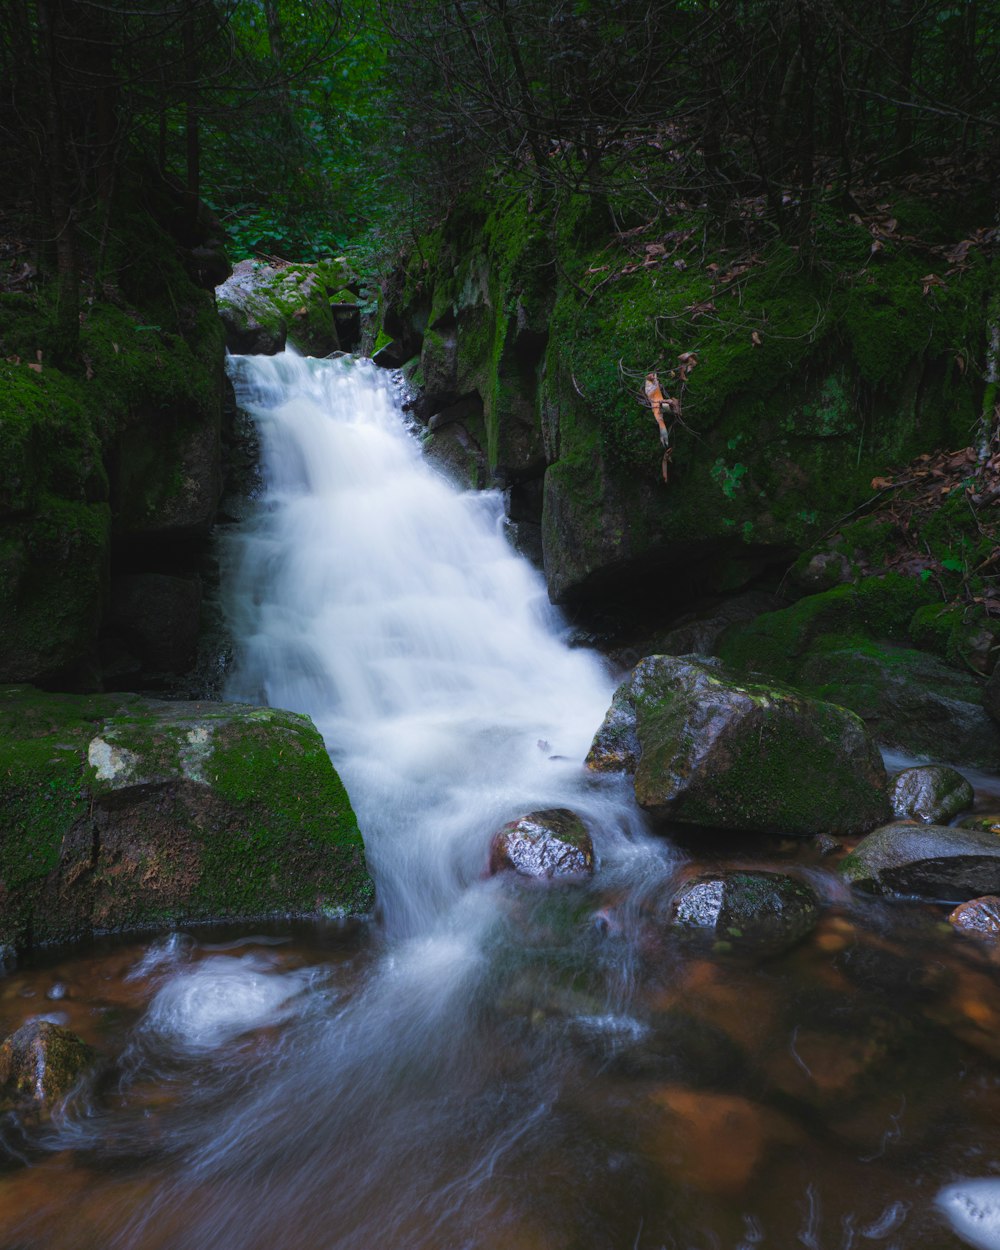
[(552, 845), (263, 306), (114, 454), (121, 812), (756, 911), (797, 383), (42, 1062), (847, 645), (708, 749)]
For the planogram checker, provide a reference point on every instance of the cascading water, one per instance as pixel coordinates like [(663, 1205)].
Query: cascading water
[(373, 596), (491, 1066)]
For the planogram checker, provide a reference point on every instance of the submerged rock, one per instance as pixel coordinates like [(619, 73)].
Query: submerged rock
[(42, 1061), (547, 845), (932, 793), (708, 749), (761, 910), (120, 812), (931, 861), (979, 918)]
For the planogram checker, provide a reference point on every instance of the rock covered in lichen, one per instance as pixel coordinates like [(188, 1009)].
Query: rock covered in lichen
[(42, 1062), (708, 749), (122, 812), (930, 861), (932, 793), (547, 845)]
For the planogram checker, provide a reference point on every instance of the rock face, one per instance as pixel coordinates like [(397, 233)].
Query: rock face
[(758, 910), (930, 861), (120, 812), (547, 845), (933, 794), (42, 1062), (707, 749)]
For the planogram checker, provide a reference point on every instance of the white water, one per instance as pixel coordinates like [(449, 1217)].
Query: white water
[(375, 597)]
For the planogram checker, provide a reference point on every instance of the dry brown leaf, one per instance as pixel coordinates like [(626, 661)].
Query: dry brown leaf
[(756, 339), (881, 483), (657, 402), (931, 279)]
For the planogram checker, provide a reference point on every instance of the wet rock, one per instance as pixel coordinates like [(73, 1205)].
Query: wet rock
[(120, 812), (708, 749), (42, 1061), (459, 456), (755, 910), (930, 861), (932, 793), (545, 845), (979, 918), (991, 694), (972, 1208)]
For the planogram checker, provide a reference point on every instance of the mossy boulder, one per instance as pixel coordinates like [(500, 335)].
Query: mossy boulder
[(42, 1062), (933, 793), (263, 306), (848, 645), (930, 861), (120, 812), (760, 911), (706, 748)]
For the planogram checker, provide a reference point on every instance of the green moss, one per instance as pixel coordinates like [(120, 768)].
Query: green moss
[(249, 818)]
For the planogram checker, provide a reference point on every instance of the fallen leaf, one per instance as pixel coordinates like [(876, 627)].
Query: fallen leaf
[(881, 483), (756, 339), (931, 279)]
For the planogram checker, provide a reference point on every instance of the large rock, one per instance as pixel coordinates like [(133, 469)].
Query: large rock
[(120, 812), (707, 749), (756, 910), (930, 861), (263, 306)]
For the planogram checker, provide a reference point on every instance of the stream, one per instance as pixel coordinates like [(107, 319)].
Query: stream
[(483, 1064)]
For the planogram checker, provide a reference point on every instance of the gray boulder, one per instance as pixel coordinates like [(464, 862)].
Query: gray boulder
[(932, 793), (929, 861)]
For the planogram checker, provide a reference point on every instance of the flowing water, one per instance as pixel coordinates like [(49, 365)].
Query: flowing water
[(485, 1065)]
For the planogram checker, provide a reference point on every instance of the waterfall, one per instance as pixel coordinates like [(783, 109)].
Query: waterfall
[(373, 595)]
